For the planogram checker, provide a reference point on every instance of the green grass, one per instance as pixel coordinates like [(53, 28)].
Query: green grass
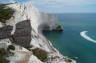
[(5, 13)]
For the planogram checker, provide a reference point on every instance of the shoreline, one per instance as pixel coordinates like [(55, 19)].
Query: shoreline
[(55, 51)]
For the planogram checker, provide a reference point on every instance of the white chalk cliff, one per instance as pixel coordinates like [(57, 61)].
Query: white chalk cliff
[(38, 20)]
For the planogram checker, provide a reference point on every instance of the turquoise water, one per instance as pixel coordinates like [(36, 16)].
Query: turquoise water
[(70, 43)]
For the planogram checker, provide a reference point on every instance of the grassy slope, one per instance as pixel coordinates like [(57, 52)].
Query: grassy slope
[(5, 13)]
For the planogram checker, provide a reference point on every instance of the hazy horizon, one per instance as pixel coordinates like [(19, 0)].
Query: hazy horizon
[(62, 6)]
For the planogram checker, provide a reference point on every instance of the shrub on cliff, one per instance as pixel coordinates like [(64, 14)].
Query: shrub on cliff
[(5, 13), (10, 47), (3, 54), (40, 54)]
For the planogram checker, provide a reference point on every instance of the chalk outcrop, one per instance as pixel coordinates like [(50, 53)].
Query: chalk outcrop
[(24, 31)]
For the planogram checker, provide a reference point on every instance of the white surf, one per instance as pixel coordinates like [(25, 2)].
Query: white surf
[(84, 35)]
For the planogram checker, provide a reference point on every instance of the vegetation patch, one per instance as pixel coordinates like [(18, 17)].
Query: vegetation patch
[(68, 60), (40, 54), (58, 28), (10, 47), (5, 13), (3, 54)]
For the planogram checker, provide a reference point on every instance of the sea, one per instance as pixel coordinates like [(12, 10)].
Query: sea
[(78, 40)]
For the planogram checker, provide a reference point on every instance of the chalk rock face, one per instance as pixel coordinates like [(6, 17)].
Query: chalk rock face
[(22, 34), (5, 32), (27, 12), (24, 28)]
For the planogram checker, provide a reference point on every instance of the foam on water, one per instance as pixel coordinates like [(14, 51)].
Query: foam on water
[(84, 35)]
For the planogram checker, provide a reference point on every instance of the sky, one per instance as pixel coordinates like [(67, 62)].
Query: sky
[(62, 6)]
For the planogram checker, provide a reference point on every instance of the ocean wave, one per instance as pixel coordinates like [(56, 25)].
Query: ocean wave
[(84, 35)]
